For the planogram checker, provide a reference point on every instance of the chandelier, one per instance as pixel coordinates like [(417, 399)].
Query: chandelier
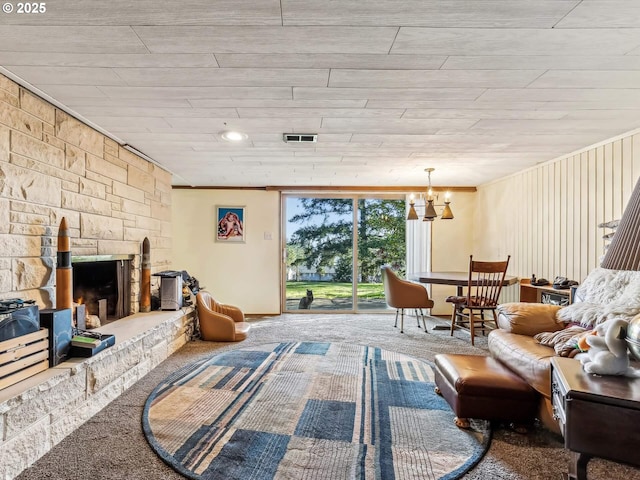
[(430, 210)]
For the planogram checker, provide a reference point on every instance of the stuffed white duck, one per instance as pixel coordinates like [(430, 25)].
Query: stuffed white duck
[(608, 354)]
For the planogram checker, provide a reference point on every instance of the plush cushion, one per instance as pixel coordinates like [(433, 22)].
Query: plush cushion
[(605, 294), (475, 301), (456, 299), (562, 341), (476, 386), (528, 318), (242, 330)]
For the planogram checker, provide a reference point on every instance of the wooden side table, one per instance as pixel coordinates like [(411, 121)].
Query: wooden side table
[(543, 294), (599, 416)]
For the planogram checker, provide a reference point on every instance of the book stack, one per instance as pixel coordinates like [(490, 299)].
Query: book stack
[(84, 342), (87, 346)]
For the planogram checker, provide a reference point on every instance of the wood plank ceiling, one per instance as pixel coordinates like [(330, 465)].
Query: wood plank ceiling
[(477, 89)]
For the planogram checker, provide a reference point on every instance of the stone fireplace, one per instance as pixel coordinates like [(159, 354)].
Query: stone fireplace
[(52, 166), (103, 283)]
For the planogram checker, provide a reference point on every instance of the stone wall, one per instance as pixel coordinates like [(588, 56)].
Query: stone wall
[(37, 413), (54, 166)]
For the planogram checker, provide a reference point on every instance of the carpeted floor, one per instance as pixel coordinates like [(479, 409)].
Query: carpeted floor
[(112, 445)]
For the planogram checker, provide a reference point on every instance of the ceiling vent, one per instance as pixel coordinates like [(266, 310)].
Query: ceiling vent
[(300, 137)]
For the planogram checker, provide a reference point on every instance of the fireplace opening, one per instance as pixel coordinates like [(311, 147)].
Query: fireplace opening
[(102, 283)]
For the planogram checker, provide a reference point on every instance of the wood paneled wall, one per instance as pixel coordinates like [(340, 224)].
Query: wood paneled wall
[(547, 217)]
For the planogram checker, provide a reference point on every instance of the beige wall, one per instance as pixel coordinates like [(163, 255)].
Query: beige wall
[(451, 244), (53, 166), (246, 275), (546, 217)]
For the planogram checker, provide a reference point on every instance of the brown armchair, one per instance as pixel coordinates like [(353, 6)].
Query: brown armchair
[(401, 294), (220, 323)]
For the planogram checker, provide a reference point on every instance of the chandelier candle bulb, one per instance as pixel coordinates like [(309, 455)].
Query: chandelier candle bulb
[(64, 272), (145, 278), (412, 215)]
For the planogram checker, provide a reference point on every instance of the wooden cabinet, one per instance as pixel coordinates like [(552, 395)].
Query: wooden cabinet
[(598, 415), (546, 294)]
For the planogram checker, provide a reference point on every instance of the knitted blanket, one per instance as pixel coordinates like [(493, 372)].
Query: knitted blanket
[(605, 294)]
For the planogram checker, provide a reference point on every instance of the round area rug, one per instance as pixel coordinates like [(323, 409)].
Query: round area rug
[(309, 410)]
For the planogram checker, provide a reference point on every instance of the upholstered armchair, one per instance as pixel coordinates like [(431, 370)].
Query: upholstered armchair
[(401, 294), (218, 322)]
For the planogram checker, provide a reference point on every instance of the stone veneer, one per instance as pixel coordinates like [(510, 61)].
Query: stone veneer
[(39, 412), (54, 166)]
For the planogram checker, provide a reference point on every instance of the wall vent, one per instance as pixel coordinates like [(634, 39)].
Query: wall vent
[(299, 137)]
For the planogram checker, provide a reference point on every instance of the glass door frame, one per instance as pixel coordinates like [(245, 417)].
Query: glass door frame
[(355, 198)]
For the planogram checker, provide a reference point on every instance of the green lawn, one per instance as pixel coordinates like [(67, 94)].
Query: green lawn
[(334, 290)]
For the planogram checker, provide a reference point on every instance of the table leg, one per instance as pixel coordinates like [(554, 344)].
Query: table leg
[(577, 466), (459, 293)]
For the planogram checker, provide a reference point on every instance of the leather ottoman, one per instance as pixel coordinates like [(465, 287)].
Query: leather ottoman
[(481, 387)]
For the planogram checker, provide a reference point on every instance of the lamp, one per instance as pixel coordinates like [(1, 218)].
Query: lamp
[(624, 254), (430, 210), (624, 251)]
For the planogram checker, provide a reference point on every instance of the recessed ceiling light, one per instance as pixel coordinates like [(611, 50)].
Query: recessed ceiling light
[(232, 136)]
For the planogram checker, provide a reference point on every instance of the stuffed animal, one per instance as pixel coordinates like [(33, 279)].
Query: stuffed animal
[(607, 354)]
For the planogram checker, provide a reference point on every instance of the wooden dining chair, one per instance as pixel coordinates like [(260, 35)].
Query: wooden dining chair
[(483, 290), (401, 294)]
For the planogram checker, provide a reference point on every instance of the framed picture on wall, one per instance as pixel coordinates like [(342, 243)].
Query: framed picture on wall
[(230, 224)]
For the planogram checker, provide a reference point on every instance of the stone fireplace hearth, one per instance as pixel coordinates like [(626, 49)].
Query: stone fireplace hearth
[(103, 283), (44, 408)]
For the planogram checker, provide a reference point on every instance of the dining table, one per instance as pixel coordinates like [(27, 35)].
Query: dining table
[(458, 279)]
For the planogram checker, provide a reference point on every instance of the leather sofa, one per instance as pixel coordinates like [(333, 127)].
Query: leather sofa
[(603, 295), (513, 345)]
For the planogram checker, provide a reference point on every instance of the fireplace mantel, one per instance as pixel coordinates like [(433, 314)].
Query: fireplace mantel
[(99, 258)]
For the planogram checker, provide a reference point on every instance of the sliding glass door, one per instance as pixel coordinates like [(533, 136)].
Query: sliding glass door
[(381, 241), (334, 248), (318, 253)]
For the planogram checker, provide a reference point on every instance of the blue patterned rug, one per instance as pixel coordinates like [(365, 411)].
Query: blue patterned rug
[(309, 410)]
